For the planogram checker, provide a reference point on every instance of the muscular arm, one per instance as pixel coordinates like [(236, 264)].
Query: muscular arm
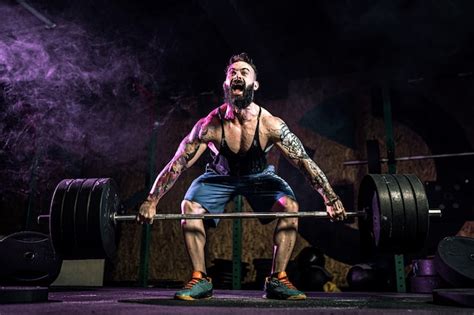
[(293, 149), (189, 150)]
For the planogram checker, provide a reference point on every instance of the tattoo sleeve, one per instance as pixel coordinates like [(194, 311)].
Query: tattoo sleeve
[(295, 152), (189, 150)]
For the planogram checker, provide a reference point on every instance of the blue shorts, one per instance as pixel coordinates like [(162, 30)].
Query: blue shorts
[(213, 191)]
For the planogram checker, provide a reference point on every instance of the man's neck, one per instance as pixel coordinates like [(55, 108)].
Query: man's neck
[(242, 115)]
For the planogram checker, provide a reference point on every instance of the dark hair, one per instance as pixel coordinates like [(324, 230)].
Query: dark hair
[(241, 57)]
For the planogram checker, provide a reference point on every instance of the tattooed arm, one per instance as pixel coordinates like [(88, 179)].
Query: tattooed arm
[(293, 150), (190, 149)]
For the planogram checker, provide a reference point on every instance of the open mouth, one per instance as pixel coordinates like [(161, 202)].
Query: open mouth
[(237, 87)]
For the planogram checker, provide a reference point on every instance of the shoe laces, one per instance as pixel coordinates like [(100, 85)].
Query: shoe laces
[(287, 283), (195, 278), (282, 277), (192, 282)]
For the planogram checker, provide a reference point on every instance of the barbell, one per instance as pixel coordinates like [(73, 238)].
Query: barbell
[(83, 217), (410, 158)]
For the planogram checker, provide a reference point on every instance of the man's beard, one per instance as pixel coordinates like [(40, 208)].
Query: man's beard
[(239, 101)]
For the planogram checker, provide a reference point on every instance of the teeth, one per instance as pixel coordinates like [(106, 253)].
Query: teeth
[(238, 84)]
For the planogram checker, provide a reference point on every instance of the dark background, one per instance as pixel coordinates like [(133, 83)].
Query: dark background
[(82, 99)]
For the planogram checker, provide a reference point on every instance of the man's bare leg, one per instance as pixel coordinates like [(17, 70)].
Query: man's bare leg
[(278, 286), (284, 237), (194, 235)]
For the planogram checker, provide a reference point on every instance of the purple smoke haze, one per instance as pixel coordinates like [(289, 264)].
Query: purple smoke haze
[(70, 96)]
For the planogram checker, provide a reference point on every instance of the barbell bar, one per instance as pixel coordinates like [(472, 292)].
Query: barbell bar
[(393, 215), (238, 215), (410, 158), (248, 215), (235, 215)]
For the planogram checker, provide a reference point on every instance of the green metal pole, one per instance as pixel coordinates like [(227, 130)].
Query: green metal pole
[(237, 247), (392, 169), (400, 273), (146, 229)]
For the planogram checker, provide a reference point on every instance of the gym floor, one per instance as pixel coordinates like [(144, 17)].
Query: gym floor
[(159, 301)]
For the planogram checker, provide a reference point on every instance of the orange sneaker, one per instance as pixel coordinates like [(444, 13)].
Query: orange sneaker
[(280, 288), (199, 287)]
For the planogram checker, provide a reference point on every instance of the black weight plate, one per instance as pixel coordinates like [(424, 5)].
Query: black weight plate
[(82, 237), (385, 211), (55, 214), (454, 261), (454, 297), (23, 295), (94, 248), (411, 219), (376, 228), (381, 209), (423, 209), (110, 203), (370, 225), (398, 213), (103, 202), (27, 258), (369, 229), (67, 246)]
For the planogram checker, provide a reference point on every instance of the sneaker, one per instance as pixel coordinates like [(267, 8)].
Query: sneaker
[(199, 287), (280, 288)]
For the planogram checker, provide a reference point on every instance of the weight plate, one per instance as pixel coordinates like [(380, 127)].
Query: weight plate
[(422, 206), (80, 218), (55, 214), (94, 221), (376, 219), (385, 213), (398, 213), (28, 259), (376, 228), (111, 204), (454, 261), (83, 240), (104, 201), (67, 245), (411, 219), (369, 233)]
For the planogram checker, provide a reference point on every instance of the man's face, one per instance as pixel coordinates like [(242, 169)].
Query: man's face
[(240, 84)]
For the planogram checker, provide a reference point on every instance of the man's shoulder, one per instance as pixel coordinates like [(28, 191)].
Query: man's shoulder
[(209, 124), (214, 117), (269, 120)]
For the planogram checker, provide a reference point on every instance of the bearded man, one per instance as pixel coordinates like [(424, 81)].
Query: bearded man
[(239, 134)]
